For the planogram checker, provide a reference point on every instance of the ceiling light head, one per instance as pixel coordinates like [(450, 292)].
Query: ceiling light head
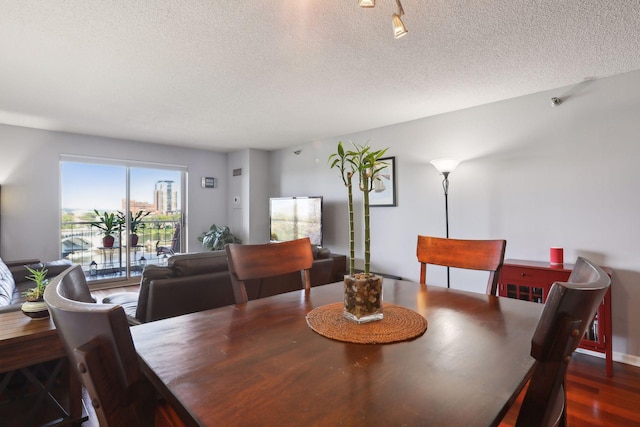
[(445, 166), (399, 29), (367, 3)]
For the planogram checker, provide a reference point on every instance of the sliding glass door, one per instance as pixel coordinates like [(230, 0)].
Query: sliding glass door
[(117, 217)]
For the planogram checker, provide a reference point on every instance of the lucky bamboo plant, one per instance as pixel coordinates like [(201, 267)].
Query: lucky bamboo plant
[(365, 163)]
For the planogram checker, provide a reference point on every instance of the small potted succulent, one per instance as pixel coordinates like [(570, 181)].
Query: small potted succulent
[(109, 223), (35, 307), (363, 291)]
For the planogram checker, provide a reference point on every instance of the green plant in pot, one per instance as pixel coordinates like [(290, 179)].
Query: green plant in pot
[(35, 307), (135, 224), (217, 237), (109, 223), (363, 291)]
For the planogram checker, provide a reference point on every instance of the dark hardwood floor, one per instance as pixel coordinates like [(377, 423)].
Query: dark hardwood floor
[(593, 399)]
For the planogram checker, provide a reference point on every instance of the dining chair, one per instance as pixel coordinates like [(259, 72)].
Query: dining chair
[(567, 313), (261, 261), (76, 287), (175, 243), (98, 343), (487, 255)]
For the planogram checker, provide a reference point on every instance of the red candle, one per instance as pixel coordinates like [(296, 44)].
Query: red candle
[(556, 255)]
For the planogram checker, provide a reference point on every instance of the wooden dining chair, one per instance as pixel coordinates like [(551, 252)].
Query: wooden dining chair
[(487, 255), (98, 343), (248, 262), (567, 313)]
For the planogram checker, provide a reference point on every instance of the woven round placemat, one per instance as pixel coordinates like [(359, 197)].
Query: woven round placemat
[(398, 324)]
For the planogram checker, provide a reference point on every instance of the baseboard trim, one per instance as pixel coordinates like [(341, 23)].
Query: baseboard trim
[(627, 359)]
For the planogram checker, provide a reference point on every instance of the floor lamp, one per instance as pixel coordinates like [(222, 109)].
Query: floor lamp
[(445, 167)]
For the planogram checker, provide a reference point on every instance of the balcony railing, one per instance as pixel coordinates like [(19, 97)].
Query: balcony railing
[(82, 244)]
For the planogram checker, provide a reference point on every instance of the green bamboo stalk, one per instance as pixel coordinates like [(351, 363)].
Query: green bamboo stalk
[(345, 164), (368, 165), (352, 251), (367, 228)]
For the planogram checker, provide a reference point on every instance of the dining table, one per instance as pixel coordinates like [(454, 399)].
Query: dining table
[(263, 364)]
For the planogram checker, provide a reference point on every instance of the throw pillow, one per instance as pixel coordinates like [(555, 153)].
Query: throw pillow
[(7, 284)]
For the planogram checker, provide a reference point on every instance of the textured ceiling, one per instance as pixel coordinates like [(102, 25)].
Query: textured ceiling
[(227, 75)]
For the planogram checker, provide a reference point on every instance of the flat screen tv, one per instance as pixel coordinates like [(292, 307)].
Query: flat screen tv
[(293, 218)]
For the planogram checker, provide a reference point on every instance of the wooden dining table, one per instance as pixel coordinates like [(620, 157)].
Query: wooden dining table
[(261, 364)]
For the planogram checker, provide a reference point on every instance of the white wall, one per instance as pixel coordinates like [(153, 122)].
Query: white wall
[(259, 197), (238, 189), (29, 176), (249, 196), (536, 175)]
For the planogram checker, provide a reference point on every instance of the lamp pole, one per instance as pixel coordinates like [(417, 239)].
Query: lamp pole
[(445, 167), (445, 187)]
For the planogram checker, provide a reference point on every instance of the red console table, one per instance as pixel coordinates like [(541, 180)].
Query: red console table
[(532, 280)]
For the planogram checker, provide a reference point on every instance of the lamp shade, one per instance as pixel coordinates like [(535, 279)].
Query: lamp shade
[(445, 165), (399, 29)]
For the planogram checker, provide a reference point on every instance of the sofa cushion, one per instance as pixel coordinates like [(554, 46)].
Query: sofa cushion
[(7, 284), (199, 263), (128, 301)]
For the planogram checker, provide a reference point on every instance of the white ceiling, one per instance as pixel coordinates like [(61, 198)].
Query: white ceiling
[(227, 75)]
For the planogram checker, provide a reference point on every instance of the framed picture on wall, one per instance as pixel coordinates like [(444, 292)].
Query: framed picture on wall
[(384, 186)]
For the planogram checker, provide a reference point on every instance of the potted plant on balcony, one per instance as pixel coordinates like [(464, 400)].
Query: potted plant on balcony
[(109, 223), (363, 291), (135, 223), (217, 237), (35, 307)]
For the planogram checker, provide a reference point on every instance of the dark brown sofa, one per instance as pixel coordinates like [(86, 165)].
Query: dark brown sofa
[(13, 279), (201, 281)]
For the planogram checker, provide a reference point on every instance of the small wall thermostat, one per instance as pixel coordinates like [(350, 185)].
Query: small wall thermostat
[(208, 182)]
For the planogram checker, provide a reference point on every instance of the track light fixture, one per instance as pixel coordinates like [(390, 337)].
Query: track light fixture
[(399, 29)]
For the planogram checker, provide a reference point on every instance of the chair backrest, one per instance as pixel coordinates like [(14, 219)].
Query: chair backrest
[(568, 311), (175, 243), (247, 262), (76, 287), (98, 343), (487, 255)]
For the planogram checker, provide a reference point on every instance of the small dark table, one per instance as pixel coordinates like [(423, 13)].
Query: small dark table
[(25, 343)]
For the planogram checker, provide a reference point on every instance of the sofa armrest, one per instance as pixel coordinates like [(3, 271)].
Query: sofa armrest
[(189, 294), (150, 273), (9, 308)]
